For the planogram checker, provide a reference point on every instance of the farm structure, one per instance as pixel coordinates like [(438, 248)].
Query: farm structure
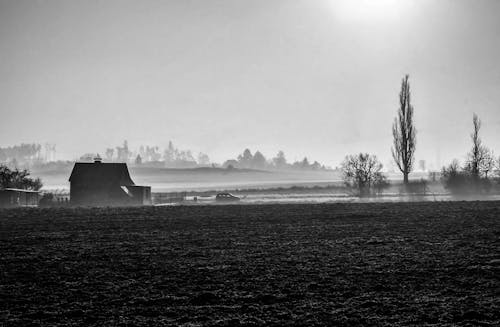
[(105, 184), (170, 197), (12, 197)]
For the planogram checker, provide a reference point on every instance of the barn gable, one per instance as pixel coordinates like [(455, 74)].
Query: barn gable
[(105, 184), (101, 173)]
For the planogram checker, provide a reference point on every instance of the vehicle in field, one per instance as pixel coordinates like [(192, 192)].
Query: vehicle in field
[(226, 197)]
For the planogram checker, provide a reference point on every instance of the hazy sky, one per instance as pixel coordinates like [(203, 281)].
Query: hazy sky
[(316, 78)]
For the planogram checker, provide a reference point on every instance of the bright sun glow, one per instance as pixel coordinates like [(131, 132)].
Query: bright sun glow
[(370, 10)]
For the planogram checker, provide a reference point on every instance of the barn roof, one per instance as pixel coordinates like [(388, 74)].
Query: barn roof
[(10, 189), (101, 173)]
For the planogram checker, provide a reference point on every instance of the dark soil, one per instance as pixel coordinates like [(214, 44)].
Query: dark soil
[(322, 264)]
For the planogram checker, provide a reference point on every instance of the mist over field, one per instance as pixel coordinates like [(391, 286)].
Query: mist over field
[(317, 79), (188, 84)]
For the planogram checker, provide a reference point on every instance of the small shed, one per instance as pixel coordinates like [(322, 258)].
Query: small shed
[(13, 197), (105, 184)]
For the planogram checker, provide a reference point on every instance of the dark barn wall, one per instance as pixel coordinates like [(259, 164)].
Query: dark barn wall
[(141, 194), (97, 195), (109, 195)]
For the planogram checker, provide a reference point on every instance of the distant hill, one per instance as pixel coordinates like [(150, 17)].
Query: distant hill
[(55, 176), (200, 170)]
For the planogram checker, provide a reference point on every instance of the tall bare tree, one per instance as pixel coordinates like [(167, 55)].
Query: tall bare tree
[(404, 132), (479, 155)]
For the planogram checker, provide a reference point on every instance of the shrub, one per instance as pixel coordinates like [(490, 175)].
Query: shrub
[(362, 173), (416, 187), (463, 181)]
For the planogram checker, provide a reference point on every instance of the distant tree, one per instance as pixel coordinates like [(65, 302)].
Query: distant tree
[(305, 163), (316, 166), (474, 176), (3, 155), (18, 179), (454, 178), (479, 155), (182, 156), (233, 163), (50, 152), (189, 156), (156, 154), (170, 153), (488, 164), (497, 167), (245, 159), (123, 153), (462, 181), (404, 132), (363, 173), (109, 154), (23, 153), (152, 154), (279, 161), (475, 155), (259, 161), (203, 159), (138, 160)]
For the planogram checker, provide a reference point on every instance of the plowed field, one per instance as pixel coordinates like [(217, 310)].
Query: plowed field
[(302, 264)]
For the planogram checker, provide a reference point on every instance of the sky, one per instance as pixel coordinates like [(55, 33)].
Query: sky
[(310, 77)]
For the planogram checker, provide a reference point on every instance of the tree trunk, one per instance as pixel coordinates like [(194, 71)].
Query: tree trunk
[(405, 179)]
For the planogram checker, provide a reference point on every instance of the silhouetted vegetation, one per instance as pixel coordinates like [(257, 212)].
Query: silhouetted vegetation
[(417, 187), (480, 159), (362, 172), (474, 177), (258, 161), (173, 157), (479, 174), (404, 132), (46, 201), (154, 156), (15, 178)]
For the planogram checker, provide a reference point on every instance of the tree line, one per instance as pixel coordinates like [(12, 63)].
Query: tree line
[(153, 156), (247, 160), (173, 157), (363, 172), (30, 156), (25, 153)]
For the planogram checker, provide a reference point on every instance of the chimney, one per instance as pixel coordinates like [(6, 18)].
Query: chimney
[(97, 159)]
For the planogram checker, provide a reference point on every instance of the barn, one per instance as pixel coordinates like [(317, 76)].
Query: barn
[(12, 197), (105, 184)]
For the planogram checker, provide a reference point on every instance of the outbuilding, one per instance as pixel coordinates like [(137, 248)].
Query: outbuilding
[(105, 184), (13, 197)]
